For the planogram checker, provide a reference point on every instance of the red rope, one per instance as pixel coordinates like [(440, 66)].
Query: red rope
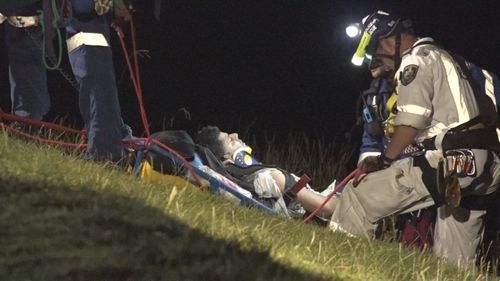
[(39, 123), (44, 140), (148, 141), (137, 72), (121, 36), (135, 77), (134, 72), (337, 188)]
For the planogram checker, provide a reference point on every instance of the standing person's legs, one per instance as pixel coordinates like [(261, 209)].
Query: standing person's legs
[(99, 104), (27, 74)]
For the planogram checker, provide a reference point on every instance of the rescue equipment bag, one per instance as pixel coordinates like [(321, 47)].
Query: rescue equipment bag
[(486, 90), (417, 229)]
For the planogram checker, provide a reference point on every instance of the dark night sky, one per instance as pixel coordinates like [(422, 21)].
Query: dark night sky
[(273, 65)]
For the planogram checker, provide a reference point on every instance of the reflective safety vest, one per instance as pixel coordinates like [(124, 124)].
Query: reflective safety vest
[(487, 83), (391, 106)]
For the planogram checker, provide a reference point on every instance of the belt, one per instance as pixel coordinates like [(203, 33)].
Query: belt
[(470, 129), (22, 22), (481, 138), (472, 124), (461, 128)]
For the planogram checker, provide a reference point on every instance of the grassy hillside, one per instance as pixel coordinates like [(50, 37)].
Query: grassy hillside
[(62, 218)]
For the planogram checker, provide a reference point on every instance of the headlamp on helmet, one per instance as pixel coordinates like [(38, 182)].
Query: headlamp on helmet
[(375, 27), (354, 30)]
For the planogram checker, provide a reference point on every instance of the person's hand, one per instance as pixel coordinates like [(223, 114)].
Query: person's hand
[(371, 164)]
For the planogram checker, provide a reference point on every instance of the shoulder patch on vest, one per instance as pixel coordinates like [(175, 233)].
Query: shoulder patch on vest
[(408, 74)]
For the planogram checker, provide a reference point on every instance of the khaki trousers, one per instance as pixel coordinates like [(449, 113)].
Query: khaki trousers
[(399, 189)]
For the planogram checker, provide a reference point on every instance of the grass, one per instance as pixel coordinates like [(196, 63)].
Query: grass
[(63, 218)]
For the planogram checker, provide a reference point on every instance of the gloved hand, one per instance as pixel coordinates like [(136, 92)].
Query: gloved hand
[(370, 164)]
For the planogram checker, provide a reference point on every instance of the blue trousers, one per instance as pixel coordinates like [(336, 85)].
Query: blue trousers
[(98, 94), (93, 69), (27, 74)]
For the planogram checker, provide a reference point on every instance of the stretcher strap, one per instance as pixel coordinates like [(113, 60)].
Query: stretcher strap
[(301, 183)]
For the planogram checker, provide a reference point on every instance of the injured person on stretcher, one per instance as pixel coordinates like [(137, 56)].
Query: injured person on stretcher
[(230, 157)]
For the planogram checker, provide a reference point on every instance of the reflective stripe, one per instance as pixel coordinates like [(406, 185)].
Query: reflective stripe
[(86, 38), (437, 129), (453, 82), (21, 22), (415, 109), (432, 131), (489, 88)]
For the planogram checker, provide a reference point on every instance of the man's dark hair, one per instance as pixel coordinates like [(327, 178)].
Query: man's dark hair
[(208, 137)]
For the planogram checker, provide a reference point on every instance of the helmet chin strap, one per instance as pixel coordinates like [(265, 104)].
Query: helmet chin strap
[(396, 58), (397, 55)]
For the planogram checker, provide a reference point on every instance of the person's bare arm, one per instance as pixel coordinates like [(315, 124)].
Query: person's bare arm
[(402, 137), (311, 200)]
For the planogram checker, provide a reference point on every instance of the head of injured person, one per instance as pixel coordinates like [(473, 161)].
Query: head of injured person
[(222, 144)]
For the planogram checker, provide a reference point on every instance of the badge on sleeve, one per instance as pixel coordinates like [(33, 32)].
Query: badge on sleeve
[(408, 74)]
